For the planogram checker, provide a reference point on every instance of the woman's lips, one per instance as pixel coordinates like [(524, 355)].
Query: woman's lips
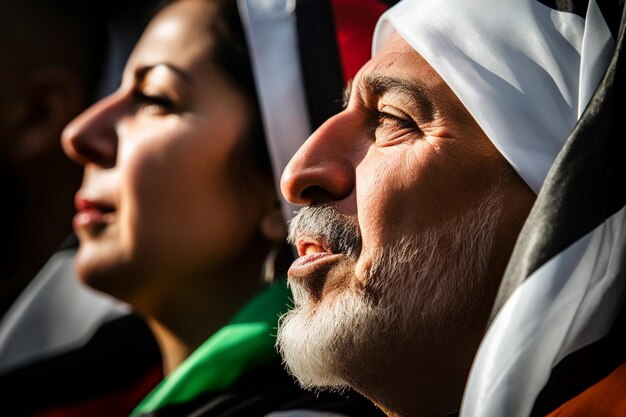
[(91, 215)]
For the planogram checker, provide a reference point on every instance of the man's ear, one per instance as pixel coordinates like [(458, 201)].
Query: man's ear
[(52, 97), (273, 225)]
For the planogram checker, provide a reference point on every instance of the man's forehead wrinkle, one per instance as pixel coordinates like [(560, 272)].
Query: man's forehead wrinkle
[(377, 84)]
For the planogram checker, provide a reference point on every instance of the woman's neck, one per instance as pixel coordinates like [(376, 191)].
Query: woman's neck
[(184, 317), (174, 350)]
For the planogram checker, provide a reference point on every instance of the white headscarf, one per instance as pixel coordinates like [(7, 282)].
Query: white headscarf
[(526, 73), (523, 70), (273, 44)]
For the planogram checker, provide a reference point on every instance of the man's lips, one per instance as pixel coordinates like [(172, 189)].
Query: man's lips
[(318, 268), (308, 246), (91, 214), (312, 254)]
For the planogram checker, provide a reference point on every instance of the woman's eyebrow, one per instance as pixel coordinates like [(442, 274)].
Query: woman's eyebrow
[(141, 72), (379, 84)]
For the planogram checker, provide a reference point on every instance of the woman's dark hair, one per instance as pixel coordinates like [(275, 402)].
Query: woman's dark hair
[(231, 56)]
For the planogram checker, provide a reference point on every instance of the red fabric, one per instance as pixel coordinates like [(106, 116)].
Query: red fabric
[(607, 398), (115, 404), (355, 21)]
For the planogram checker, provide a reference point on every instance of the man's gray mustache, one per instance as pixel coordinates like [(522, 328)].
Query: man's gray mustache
[(323, 222)]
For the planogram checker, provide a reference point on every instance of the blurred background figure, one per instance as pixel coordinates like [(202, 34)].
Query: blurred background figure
[(178, 213), (52, 55), (65, 350)]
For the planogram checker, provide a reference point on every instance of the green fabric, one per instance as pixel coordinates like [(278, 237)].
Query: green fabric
[(245, 343)]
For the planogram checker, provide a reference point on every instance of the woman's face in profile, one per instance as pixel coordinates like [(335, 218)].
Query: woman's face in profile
[(158, 198)]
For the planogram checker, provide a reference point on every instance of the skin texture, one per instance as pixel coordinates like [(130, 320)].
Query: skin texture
[(404, 157), (163, 221)]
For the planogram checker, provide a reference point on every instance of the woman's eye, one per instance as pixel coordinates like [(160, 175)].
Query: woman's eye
[(393, 124), (155, 104)]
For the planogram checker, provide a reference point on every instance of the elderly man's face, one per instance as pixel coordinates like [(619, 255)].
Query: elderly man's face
[(405, 195)]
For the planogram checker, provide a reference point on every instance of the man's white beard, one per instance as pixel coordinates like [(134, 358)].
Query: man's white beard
[(417, 295)]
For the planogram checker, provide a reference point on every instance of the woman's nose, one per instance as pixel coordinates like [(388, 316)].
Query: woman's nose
[(92, 136), (323, 169)]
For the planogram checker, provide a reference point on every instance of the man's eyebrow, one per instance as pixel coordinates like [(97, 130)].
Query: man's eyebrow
[(378, 84), (141, 72)]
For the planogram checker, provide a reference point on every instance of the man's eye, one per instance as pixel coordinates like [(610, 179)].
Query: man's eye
[(155, 104), (393, 124)]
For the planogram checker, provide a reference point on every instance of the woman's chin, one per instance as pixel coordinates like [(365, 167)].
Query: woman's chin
[(101, 269)]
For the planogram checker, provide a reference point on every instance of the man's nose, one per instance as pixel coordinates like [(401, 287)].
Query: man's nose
[(92, 136), (323, 169)]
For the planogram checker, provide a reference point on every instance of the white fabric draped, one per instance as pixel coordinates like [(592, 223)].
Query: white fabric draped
[(272, 39)]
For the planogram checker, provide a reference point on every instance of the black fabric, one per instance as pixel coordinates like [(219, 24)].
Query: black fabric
[(390, 2), (578, 7), (583, 368), (265, 390), (119, 354), (611, 10), (586, 184), (612, 13), (323, 84)]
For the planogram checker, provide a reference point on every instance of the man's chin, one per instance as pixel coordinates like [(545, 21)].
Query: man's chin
[(321, 279), (323, 342)]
